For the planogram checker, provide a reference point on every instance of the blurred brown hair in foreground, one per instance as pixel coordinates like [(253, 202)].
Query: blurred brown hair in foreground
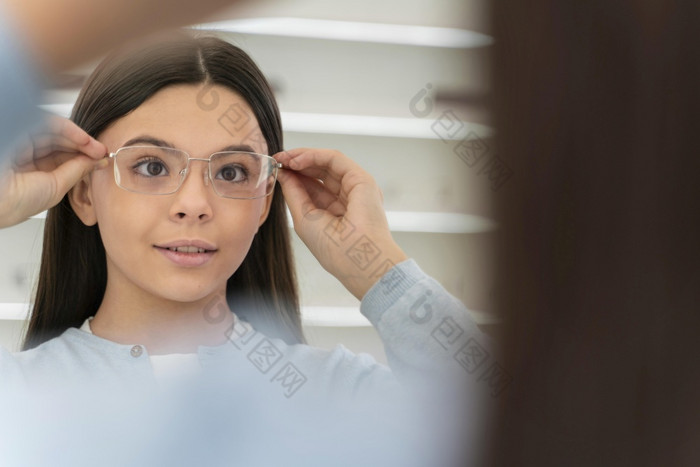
[(597, 107)]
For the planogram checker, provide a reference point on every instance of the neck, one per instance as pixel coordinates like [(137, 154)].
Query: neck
[(162, 326)]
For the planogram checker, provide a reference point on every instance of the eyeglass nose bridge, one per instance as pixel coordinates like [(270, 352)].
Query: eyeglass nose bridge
[(186, 170)]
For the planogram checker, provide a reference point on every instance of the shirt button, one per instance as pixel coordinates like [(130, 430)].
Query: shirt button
[(136, 351)]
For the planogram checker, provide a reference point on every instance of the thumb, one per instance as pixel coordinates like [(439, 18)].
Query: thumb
[(71, 171), (295, 195)]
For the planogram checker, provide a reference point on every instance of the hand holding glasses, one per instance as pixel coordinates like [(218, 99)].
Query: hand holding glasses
[(156, 170), (41, 172)]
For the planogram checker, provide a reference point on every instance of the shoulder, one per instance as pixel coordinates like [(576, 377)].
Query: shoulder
[(17, 368), (54, 351), (74, 355)]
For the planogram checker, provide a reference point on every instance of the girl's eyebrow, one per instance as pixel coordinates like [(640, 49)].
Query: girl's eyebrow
[(149, 140), (238, 147), (146, 139)]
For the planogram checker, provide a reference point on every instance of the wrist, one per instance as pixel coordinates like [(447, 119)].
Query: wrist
[(361, 279)]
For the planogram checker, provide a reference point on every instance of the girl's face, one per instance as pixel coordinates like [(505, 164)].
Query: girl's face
[(135, 227)]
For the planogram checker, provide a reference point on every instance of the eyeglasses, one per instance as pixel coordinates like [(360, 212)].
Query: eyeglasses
[(155, 170)]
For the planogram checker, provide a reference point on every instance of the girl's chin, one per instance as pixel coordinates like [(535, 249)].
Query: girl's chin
[(194, 298), (188, 294)]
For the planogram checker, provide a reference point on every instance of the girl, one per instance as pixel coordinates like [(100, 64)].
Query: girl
[(173, 250)]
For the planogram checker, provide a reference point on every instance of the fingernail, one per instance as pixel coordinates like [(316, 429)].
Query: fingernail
[(101, 164)]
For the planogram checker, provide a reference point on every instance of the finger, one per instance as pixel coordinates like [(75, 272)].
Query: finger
[(354, 182), (335, 162), (26, 156), (49, 162), (44, 144), (332, 163), (61, 134), (325, 164), (321, 197), (62, 126), (70, 172), (64, 134), (330, 180), (297, 198)]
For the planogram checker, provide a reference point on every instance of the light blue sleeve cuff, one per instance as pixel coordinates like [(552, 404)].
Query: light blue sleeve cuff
[(21, 85), (391, 287)]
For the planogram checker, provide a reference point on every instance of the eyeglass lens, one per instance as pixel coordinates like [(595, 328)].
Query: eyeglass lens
[(156, 170)]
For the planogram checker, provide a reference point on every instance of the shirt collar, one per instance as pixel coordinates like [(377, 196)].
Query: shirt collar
[(242, 330)]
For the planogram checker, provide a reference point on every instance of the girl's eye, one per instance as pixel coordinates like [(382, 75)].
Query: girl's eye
[(151, 168), (232, 173)]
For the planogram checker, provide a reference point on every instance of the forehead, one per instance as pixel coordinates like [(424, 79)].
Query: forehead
[(199, 119)]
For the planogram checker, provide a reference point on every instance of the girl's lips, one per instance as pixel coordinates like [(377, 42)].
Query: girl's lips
[(186, 259)]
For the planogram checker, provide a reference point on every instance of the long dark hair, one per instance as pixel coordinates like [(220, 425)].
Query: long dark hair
[(73, 273)]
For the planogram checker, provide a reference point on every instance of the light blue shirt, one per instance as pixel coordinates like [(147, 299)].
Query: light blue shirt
[(259, 401)]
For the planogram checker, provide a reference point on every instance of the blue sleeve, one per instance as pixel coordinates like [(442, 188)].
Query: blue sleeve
[(437, 352), (428, 334), (21, 85)]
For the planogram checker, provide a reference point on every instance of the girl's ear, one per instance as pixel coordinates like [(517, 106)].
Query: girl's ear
[(80, 198), (266, 209)]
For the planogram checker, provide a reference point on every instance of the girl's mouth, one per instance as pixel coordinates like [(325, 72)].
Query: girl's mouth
[(187, 249), (187, 256)]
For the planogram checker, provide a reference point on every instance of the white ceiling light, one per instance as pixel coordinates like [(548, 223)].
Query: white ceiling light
[(354, 31), (396, 127), (335, 316), (62, 110), (14, 311), (340, 124), (427, 222), (438, 222), (329, 316)]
